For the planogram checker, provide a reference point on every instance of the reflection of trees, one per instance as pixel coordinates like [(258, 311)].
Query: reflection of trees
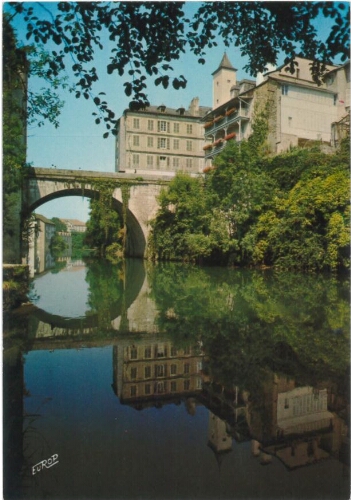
[(112, 285), (106, 284), (248, 321)]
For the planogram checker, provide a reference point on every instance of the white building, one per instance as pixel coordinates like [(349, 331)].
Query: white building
[(161, 140), (300, 110)]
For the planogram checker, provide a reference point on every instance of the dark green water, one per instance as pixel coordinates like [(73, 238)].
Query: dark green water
[(171, 381)]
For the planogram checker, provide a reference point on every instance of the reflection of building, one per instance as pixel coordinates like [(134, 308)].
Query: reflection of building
[(219, 440), (160, 139), (151, 371), (303, 409), (294, 423), (300, 110)]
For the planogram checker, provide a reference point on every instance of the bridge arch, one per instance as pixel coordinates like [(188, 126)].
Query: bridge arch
[(43, 185)]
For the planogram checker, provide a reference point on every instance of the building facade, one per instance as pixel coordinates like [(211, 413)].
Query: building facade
[(74, 225), (161, 140), (300, 110)]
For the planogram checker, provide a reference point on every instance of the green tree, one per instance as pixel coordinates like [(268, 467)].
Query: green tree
[(59, 225), (57, 245), (103, 229), (14, 141), (20, 107), (147, 36), (307, 226)]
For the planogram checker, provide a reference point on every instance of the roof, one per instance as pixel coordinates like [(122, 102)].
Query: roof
[(44, 219), (298, 83), (338, 67), (225, 64), (170, 111), (74, 222)]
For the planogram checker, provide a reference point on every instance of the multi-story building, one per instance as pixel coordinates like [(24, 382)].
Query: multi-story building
[(300, 110), (74, 225), (161, 140)]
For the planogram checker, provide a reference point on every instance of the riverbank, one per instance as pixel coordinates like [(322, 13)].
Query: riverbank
[(15, 285)]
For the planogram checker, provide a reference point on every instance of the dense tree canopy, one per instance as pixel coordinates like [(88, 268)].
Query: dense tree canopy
[(147, 36), (290, 211)]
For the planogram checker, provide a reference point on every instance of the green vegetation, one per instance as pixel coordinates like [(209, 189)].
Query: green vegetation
[(79, 249), (15, 285), (289, 211), (20, 107), (249, 320), (104, 232)]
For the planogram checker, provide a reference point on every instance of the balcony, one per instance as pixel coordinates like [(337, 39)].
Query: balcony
[(222, 121)]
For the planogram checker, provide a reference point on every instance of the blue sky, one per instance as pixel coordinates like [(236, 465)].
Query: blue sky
[(78, 142)]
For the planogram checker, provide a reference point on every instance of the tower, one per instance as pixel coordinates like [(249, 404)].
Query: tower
[(223, 79)]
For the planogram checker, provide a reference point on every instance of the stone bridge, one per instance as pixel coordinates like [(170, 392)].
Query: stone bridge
[(133, 197)]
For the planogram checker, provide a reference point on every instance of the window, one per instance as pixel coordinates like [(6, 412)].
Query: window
[(285, 89), (189, 163), (133, 390), (173, 386), (136, 123), (150, 125), (147, 371), (162, 143), (133, 373), (173, 349), (335, 99), (147, 352), (134, 351), (189, 129), (135, 140), (176, 144), (286, 403), (162, 161), (173, 369), (186, 385), (176, 128), (150, 142), (149, 161), (186, 368), (135, 160), (175, 162), (162, 126), (189, 145), (147, 389), (159, 371)]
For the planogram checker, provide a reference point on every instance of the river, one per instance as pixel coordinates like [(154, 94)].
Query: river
[(160, 381)]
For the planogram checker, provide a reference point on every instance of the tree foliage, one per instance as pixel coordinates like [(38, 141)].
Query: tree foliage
[(249, 320), (146, 37), (103, 229), (289, 211)]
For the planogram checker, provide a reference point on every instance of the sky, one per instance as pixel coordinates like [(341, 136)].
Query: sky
[(78, 143)]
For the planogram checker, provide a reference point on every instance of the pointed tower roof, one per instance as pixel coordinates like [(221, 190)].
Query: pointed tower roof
[(225, 64)]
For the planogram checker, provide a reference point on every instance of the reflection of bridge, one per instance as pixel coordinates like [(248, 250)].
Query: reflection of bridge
[(134, 311), (132, 195)]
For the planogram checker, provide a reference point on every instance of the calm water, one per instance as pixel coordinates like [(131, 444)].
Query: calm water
[(170, 381)]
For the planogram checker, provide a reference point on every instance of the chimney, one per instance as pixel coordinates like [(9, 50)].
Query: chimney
[(194, 106)]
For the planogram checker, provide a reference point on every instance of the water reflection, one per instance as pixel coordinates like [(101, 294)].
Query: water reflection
[(229, 372)]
